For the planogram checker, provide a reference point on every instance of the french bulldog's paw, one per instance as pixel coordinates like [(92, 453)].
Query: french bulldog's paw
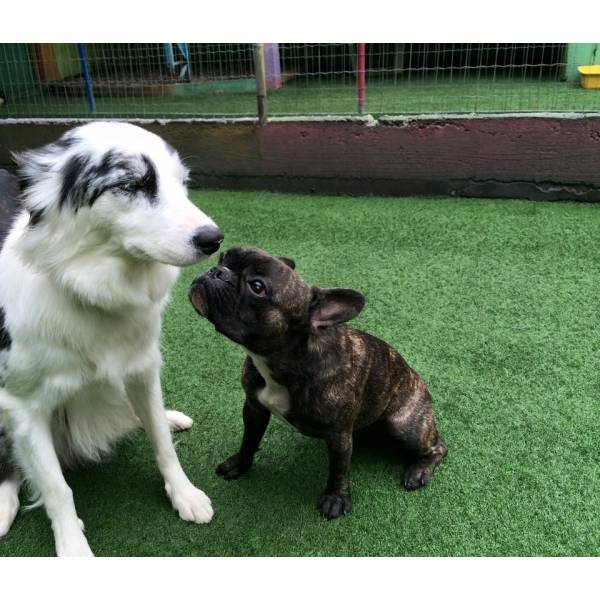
[(234, 467), (191, 503), (417, 475), (178, 421), (332, 506)]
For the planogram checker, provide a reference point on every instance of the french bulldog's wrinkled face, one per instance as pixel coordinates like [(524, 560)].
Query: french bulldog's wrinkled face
[(260, 302), (253, 298)]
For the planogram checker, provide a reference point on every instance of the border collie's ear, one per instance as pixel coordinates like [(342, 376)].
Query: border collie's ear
[(334, 306), (39, 175), (290, 262), (33, 167)]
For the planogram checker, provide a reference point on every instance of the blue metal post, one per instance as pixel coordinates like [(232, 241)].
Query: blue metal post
[(185, 50), (85, 71), (185, 68), (169, 56)]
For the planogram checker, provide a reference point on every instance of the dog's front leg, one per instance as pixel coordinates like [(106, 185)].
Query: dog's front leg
[(336, 501), (35, 453), (256, 419), (145, 395)]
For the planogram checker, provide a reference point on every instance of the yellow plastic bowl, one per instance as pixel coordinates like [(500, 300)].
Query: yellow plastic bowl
[(590, 77)]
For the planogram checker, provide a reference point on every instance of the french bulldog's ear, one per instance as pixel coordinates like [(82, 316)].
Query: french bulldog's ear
[(334, 306), (290, 262)]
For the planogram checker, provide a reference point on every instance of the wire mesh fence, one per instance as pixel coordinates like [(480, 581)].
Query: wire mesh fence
[(206, 80)]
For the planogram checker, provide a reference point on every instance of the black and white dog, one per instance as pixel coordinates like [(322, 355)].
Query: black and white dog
[(85, 272)]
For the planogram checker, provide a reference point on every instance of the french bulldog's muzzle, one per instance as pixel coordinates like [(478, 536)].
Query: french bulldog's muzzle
[(206, 285), (197, 296)]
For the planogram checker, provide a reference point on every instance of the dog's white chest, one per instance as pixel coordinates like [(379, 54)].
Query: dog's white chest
[(274, 396)]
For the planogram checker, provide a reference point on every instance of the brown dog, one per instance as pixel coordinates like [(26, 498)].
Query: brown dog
[(304, 366)]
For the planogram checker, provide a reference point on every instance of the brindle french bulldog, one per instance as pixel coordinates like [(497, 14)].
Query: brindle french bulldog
[(307, 368)]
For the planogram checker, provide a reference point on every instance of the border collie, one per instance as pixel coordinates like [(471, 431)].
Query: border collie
[(85, 272)]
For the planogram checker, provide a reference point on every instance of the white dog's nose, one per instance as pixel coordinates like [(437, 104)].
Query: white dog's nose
[(207, 239)]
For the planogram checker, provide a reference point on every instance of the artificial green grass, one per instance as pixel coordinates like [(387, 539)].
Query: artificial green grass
[(326, 95), (494, 302)]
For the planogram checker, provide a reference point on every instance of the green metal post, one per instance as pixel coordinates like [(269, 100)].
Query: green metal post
[(261, 83)]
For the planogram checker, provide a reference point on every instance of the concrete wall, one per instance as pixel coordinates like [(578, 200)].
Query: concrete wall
[(537, 157)]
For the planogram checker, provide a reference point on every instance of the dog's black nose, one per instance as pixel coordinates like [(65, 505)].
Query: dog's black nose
[(207, 239), (221, 272)]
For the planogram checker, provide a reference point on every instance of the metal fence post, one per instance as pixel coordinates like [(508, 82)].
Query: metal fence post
[(261, 84), (87, 81), (360, 77)]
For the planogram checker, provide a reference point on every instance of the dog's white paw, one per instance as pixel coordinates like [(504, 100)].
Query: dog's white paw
[(178, 421), (191, 503), (71, 541), (9, 505), (73, 545)]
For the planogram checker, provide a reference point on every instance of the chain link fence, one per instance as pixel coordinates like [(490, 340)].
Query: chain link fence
[(182, 80)]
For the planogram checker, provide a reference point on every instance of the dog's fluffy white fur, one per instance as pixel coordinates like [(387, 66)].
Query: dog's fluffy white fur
[(86, 270)]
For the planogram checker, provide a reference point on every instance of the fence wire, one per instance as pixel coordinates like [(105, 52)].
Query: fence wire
[(206, 80)]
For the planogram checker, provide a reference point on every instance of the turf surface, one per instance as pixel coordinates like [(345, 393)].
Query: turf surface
[(318, 96), (495, 303)]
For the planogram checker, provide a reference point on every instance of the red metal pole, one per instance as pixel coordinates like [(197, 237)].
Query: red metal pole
[(360, 77)]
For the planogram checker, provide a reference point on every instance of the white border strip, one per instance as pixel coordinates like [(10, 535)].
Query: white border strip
[(140, 121), (366, 119)]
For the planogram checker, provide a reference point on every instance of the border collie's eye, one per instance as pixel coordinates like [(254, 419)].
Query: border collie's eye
[(129, 188), (257, 287)]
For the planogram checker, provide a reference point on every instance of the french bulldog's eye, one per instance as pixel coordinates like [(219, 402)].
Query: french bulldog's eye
[(258, 287)]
